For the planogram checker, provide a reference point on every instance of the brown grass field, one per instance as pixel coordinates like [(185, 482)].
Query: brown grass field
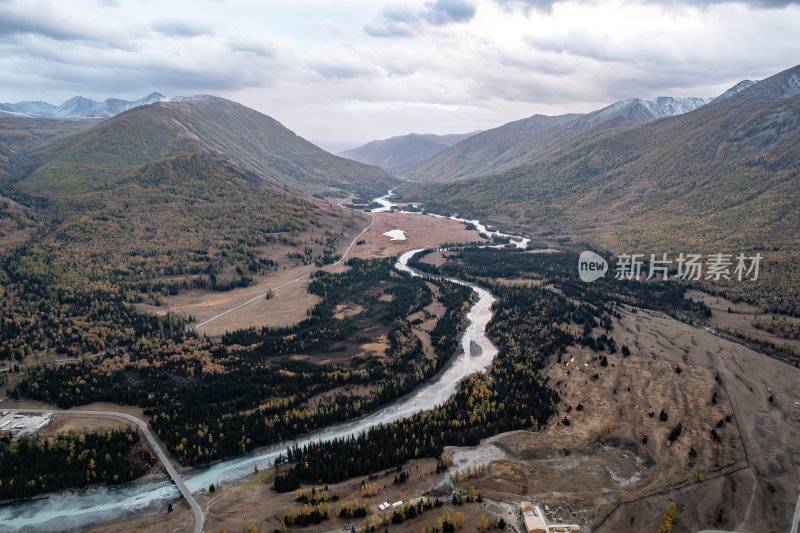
[(421, 232), (289, 304), (740, 320)]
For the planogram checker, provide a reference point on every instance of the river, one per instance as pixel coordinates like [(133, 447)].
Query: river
[(77, 509), (387, 205)]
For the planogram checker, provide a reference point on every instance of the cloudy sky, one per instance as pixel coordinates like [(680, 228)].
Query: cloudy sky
[(345, 72)]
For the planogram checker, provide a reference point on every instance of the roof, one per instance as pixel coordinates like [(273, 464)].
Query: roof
[(534, 521)]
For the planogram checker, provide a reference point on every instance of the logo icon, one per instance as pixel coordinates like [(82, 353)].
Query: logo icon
[(591, 266)]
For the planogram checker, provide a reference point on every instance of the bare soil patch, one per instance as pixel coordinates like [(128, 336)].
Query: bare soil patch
[(81, 423), (285, 307), (343, 311), (437, 259)]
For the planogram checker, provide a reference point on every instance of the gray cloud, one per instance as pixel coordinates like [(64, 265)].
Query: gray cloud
[(331, 70), (543, 5), (394, 21), (447, 11), (179, 28), (13, 23), (430, 72), (401, 21), (260, 50), (17, 22), (547, 5)]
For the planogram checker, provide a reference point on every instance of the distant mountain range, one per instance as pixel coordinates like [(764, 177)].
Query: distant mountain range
[(724, 177), (521, 141), (80, 107), (398, 153), (664, 175)]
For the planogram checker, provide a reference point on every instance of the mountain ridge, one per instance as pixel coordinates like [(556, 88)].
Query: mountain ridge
[(397, 153), (518, 142), (203, 124)]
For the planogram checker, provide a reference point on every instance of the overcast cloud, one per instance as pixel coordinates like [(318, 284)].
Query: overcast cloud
[(343, 73)]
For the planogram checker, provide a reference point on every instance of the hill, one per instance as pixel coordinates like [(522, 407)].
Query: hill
[(164, 197), (22, 133), (106, 240), (398, 153), (724, 177), (521, 141), (203, 124)]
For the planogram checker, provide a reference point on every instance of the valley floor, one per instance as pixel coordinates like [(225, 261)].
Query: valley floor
[(597, 469), (289, 305), (604, 460)]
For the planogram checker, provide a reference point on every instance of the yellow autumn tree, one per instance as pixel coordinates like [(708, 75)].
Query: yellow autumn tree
[(669, 519)]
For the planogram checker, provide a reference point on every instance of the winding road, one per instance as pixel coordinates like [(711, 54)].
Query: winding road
[(198, 513)]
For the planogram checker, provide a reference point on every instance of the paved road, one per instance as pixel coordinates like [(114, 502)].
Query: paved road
[(796, 519), (301, 278), (198, 513)]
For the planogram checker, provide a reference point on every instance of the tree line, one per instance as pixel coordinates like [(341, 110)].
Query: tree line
[(31, 465)]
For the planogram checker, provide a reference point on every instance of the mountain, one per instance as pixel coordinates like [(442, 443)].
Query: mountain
[(521, 141), (722, 178), (158, 199), (398, 153), (80, 107), (742, 85), (202, 124)]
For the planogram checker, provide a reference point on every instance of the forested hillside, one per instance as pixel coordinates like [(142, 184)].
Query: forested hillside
[(107, 244), (723, 178), (273, 153)]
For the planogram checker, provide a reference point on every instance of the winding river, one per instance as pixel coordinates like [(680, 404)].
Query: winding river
[(387, 205), (78, 509)]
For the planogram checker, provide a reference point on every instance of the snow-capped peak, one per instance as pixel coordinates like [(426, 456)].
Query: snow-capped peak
[(660, 107), (80, 107)]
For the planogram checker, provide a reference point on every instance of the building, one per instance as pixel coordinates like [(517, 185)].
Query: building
[(18, 425), (535, 522), (533, 518)]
